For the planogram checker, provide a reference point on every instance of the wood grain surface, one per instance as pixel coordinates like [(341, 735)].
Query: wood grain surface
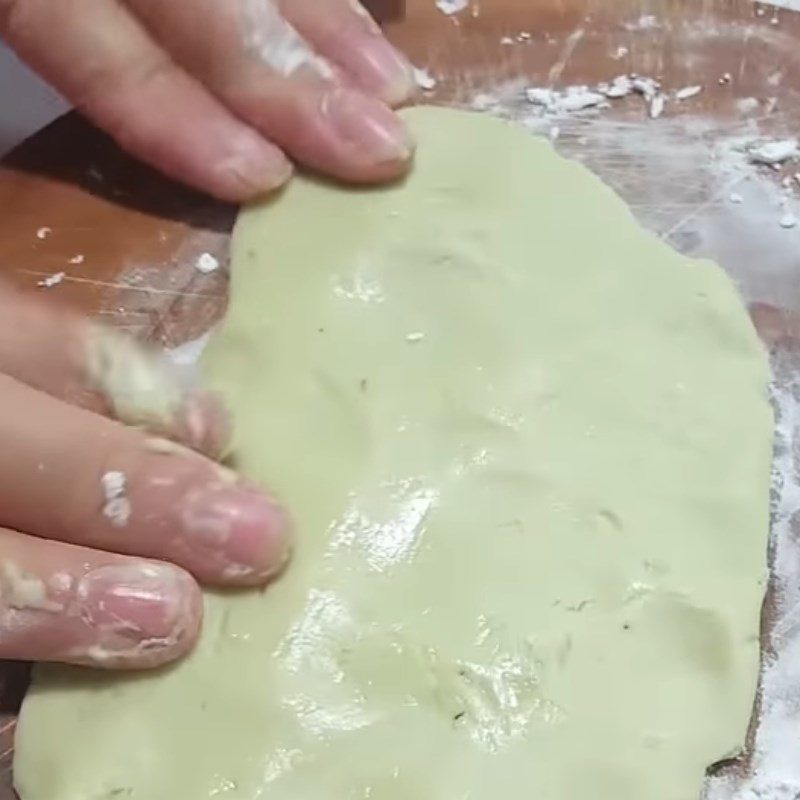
[(128, 239)]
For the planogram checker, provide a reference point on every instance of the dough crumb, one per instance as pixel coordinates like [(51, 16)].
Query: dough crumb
[(207, 263), (657, 106), (51, 280), (424, 79), (451, 7), (773, 152), (117, 507), (688, 92)]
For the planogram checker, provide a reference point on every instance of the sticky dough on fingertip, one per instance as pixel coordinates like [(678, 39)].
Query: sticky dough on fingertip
[(22, 591), (142, 389), (134, 380)]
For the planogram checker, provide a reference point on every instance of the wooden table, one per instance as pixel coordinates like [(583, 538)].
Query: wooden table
[(128, 238)]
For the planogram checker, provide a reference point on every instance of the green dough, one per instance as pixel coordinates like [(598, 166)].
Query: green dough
[(527, 449)]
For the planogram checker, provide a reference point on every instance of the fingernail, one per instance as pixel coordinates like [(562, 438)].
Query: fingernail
[(138, 602), (242, 524), (254, 168), (386, 71), (133, 379), (392, 77), (383, 69), (367, 127)]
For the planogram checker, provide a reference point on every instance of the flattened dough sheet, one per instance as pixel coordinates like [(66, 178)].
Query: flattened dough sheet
[(527, 450)]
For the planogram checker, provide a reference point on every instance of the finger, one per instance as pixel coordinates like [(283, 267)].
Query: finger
[(344, 32), (78, 606), (69, 474), (331, 129), (103, 371), (107, 65), (328, 127), (138, 386)]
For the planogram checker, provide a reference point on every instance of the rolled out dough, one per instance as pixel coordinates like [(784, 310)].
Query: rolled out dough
[(527, 450)]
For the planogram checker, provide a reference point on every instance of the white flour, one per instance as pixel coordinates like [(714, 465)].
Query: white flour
[(116, 506), (451, 7), (269, 36), (424, 79), (188, 354), (776, 758), (793, 5), (701, 163), (773, 152), (688, 92), (206, 263), (51, 280)]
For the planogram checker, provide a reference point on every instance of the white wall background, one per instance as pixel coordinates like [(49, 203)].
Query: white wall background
[(26, 103)]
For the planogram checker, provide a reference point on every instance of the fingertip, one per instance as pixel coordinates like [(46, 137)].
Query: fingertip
[(264, 544), (244, 533), (195, 140), (369, 142), (254, 168), (142, 615), (387, 171), (400, 91), (387, 74), (191, 620), (186, 626)]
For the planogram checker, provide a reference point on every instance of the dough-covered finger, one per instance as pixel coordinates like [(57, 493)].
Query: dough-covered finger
[(63, 354), (345, 33), (78, 606), (102, 59), (271, 79), (69, 474)]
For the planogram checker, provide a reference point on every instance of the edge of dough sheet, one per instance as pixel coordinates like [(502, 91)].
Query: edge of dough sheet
[(486, 370)]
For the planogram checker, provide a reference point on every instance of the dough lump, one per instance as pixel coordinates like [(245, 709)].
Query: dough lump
[(527, 449)]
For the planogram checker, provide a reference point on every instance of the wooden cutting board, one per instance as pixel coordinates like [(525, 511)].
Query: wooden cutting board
[(128, 239)]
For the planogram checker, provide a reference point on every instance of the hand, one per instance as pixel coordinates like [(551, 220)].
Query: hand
[(221, 94), (103, 522)]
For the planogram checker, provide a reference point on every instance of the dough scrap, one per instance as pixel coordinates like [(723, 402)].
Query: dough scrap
[(527, 447)]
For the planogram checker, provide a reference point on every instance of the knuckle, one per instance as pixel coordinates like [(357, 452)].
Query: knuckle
[(112, 89)]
